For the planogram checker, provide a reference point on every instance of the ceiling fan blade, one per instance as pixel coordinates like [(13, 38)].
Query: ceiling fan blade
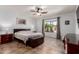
[(39, 11), (38, 8), (44, 12), (33, 10)]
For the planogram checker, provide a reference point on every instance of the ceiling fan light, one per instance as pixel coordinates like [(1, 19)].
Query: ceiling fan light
[(38, 14), (39, 10)]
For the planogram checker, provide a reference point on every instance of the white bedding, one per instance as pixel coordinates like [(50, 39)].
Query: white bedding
[(24, 35)]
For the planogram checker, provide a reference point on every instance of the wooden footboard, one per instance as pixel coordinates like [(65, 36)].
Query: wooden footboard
[(34, 42)]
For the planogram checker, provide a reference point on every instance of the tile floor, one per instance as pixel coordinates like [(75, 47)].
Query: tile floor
[(50, 46)]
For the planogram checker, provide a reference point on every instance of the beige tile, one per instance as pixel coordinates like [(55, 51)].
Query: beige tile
[(50, 46)]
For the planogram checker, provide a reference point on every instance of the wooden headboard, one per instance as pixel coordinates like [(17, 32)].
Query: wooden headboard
[(16, 30)]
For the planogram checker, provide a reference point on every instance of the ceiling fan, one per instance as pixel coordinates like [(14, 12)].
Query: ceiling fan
[(39, 11)]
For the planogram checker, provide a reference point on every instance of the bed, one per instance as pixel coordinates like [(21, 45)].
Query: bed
[(32, 39)]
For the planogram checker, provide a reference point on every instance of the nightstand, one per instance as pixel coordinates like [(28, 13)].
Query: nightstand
[(5, 38)]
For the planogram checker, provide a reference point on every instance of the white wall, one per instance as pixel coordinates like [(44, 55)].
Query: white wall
[(8, 20), (38, 25), (64, 28), (77, 28), (67, 28), (77, 16)]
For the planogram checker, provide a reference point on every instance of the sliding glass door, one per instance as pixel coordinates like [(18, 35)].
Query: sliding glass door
[(50, 27)]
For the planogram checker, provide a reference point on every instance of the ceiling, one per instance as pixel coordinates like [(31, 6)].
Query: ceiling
[(25, 9)]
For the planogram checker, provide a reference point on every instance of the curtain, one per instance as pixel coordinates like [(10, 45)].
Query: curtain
[(43, 27), (58, 28)]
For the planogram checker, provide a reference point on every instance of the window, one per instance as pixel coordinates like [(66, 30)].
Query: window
[(51, 25)]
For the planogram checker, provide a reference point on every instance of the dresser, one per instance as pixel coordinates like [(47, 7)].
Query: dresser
[(6, 37), (71, 43)]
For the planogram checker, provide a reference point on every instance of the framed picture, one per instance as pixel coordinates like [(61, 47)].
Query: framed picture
[(20, 21), (67, 22)]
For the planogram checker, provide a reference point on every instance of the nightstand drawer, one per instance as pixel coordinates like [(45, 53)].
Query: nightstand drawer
[(6, 38)]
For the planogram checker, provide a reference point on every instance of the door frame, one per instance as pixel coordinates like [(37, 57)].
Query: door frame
[(58, 34)]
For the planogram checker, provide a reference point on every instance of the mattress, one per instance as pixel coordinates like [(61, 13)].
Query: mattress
[(24, 35)]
